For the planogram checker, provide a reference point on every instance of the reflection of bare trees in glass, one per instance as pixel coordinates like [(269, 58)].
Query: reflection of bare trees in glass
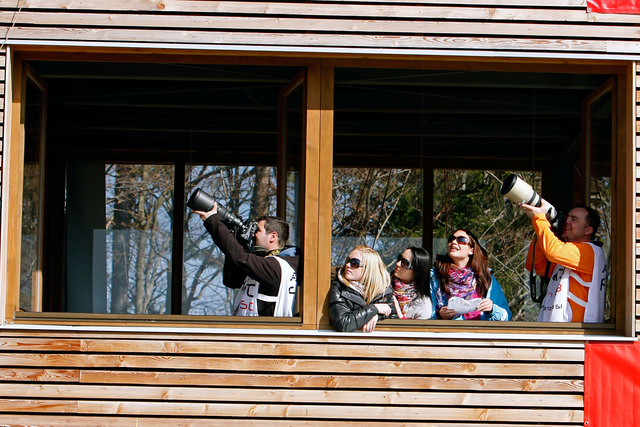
[(29, 262), (378, 207), (600, 199), (472, 199), (139, 222), (247, 191), (383, 208)]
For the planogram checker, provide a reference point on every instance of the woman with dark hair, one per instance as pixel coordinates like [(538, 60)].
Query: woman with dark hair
[(360, 294), (462, 286), (410, 282)]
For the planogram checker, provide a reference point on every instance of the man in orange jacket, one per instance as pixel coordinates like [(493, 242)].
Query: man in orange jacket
[(576, 290)]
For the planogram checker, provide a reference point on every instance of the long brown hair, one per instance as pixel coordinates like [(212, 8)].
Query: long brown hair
[(477, 262)]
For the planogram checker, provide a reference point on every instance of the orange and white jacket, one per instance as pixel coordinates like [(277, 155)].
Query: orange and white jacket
[(580, 264)]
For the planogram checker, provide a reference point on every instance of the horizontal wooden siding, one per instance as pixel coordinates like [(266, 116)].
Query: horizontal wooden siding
[(123, 380), (564, 27), (119, 379)]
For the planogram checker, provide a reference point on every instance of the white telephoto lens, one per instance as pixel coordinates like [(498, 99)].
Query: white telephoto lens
[(518, 191)]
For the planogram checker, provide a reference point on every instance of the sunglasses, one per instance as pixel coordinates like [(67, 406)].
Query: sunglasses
[(462, 240), (404, 263), (354, 263)]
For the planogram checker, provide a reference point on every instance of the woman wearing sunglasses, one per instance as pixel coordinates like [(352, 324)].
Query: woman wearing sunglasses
[(463, 273), (360, 294), (410, 281)]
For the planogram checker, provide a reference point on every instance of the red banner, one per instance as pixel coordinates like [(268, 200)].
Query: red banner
[(613, 6), (612, 384)]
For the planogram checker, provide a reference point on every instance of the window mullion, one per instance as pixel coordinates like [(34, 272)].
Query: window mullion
[(177, 252)]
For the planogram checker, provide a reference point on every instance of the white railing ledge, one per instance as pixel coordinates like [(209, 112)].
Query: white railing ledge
[(323, 333)]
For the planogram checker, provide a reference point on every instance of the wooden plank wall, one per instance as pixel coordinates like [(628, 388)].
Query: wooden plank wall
[(637, 201), (153, 379), (58, 378), (2, 115), (541, 26), (550, 27)]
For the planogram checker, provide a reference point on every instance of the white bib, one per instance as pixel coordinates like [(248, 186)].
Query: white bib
[(556, 308), (286, 298), (247, 301)]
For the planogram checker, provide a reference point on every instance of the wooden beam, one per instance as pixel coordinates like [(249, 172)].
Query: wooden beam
[(328, 381), (204, 6), (271, 41), (319, 24), (142, 421), (39, 375), (312, 123), (404, 351), (625, 226), (249, 364), (327, 412), (13, 158), (325, 196), (420, 11), (294, 396)]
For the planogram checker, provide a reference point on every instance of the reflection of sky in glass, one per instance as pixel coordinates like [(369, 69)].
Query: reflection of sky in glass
[(232, 187), (157, 269), (146, 261)]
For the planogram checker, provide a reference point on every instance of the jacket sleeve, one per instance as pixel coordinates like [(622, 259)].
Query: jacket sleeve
[(265, 270), (387, 298), (500, 304), (421, 308), (540, 259), (232, 275), (576, 256), (346, 317), (434, 295)]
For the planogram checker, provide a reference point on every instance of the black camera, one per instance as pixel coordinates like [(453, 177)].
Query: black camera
[(242, 230)]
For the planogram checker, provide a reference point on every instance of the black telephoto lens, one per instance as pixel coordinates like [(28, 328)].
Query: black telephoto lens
[(200, 201)]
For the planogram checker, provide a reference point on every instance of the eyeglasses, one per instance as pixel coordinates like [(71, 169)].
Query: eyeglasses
[(354, 263), (404, 263), (461, 239)]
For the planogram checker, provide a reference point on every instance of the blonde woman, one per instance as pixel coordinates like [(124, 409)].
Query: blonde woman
[(360, 294)]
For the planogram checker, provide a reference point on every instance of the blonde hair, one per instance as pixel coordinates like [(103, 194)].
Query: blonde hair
[(375, 277)]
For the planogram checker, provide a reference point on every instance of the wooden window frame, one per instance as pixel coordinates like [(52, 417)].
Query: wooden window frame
[(623, 170), (317, 188), (15, 149)]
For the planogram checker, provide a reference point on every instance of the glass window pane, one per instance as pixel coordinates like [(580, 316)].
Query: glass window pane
[(247, 192), (30, 251), (472, 199), (119, 225), (30, 261), (293, 145), (467, 121), (599, 185), (381, 208)]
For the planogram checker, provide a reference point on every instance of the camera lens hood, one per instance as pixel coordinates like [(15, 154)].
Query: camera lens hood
[(508, 183), (518, 191), (200, 201)]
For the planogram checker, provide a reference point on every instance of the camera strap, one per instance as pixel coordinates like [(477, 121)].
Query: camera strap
[(538, 291)]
